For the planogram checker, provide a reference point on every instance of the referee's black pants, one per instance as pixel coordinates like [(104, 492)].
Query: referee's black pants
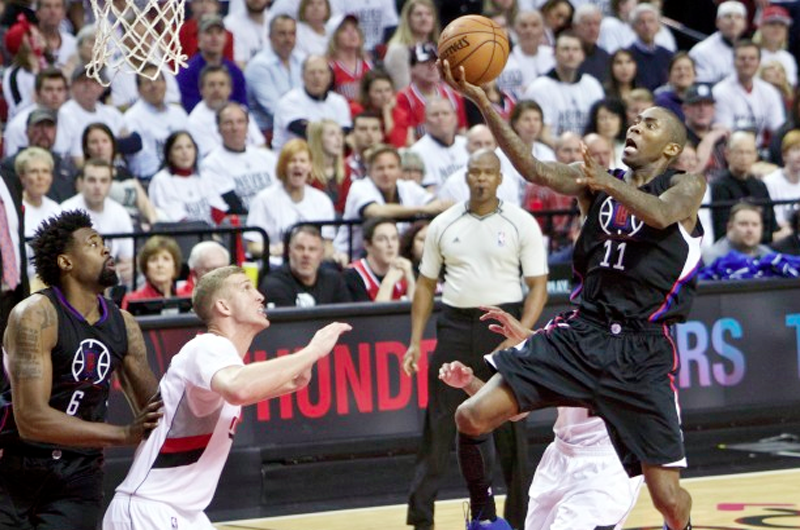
[(463, 337)]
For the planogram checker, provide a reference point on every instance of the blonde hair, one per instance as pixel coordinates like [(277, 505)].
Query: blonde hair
[(403, 35), (333, 45), (209, 288), (791, 140), (30, 154), (315, 132), (784, 88)]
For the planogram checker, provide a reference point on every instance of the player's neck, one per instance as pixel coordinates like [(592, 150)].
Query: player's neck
[(83, 300), (640, 176), (241, 336)]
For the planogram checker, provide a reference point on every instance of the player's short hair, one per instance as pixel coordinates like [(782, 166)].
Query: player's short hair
[(675, 127), (52, 238), (156, 244), (209, 288), (32, 153), (371, 224)]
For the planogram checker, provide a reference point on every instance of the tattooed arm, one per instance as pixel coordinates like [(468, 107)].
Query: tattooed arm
[(559, 177), (137, 379), (31, 335)]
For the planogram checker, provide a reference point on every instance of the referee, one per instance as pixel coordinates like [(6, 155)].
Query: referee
[(482, 244)]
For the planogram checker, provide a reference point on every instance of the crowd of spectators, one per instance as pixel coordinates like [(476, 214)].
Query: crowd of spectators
[(325, 110)]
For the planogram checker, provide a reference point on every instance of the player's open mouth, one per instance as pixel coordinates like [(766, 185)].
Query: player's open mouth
[(629, 145), (110, 264)]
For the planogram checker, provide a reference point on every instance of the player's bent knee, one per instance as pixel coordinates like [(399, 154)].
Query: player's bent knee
[(468, 421)]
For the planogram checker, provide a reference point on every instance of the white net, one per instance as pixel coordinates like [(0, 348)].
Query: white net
[(134, 33)]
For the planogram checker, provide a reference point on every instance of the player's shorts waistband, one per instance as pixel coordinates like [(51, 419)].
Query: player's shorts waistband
[(584, 450), (476, 312), (621, 326), (44, 453)]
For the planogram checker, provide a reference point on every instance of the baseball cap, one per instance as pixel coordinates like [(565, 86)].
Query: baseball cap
[(776, 14), (209, 21), (40, 115), (422, 53), (336, 21), (731, 7), (15, 35), (698, 92)]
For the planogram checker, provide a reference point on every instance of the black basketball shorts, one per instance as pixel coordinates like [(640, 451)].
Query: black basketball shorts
[(623, 371)]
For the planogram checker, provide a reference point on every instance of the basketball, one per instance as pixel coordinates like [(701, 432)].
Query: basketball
[(478, 44)]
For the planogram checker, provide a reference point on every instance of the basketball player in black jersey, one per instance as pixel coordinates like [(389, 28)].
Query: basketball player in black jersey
[(61, 347), (634, 265)]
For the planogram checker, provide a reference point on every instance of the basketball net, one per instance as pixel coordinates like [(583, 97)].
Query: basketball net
[(132, 34)]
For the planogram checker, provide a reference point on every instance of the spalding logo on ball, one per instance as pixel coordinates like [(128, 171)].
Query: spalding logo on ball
[(478, 44)]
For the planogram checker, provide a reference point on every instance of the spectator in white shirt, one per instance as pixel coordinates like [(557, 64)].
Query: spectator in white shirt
[(34, 166), (50, 93), (60, 44), (784, 183), (108, 216), (215, 88), (746, 102), (249, 29), (312, 102), (773, 37), (529, 58), (419, 24), (154, 119), (312, 33), (441, 148), (235, 166), (713, 56)]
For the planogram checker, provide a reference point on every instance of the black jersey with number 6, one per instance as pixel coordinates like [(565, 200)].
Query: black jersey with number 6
[(84, 359), (627, 270)]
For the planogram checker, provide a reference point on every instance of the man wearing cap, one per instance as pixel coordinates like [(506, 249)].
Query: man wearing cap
[(313, 101), (775, 24), (189, 30), (747, 102), (427, 84), (707, 137), (274, 71), (41, 132), (50, 93), (713, 56), (211, 41)]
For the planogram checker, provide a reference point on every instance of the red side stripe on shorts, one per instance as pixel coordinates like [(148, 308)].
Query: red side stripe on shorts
[(188, 443)]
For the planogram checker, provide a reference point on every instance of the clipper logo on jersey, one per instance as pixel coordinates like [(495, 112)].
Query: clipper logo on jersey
[(615, 219), (91, 362)]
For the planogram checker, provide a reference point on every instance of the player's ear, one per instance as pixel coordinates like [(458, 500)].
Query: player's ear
[(222, 306), (672, 150), (64, 263)]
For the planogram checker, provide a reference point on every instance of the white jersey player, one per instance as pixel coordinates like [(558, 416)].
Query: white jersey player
[(176, 469)]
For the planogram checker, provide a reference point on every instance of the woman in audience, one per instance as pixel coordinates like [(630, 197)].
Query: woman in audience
[(378, 96), (347, 58), (681, 76), (326, 144), (383, 275), (774, 73), (412, 243), (792, 122), (418, 24), (180, 191), (290, 201), (25, 45), (557, 15), (312, 36), (160, 261), (622, 78), (773, 37), (527, 121), (99, 142), (607, 118)]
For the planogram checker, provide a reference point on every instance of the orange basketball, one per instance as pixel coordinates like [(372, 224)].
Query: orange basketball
[(478, 44)]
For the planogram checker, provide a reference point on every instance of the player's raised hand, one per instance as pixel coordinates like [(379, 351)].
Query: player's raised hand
[(455, 374), (509, 327), (458, 81), (593, 175), (326, 338)]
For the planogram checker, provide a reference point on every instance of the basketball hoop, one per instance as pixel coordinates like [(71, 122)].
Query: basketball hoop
[(132, 34)]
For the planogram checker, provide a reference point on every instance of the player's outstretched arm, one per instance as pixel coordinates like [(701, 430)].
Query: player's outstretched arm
[(559, 177), (245, 385), (31, 335), (679, 203)]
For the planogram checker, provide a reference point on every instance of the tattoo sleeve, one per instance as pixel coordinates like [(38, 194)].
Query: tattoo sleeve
[(27, 349)]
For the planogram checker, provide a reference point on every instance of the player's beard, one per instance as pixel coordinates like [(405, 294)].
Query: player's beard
[(108, 277)]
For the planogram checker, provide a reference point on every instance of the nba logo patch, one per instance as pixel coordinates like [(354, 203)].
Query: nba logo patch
[(174, 522), (501, 238)]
